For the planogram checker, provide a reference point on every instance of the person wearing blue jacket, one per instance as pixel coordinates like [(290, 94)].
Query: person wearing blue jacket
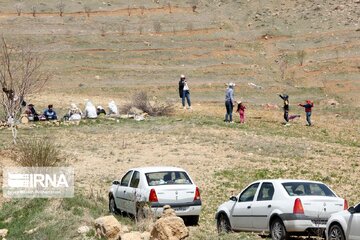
[(49, 113)]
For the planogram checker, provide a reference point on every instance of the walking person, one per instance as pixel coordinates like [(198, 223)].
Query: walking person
[(308, 106), (184, 92), (286, 108), (229, 102), (241, 110)]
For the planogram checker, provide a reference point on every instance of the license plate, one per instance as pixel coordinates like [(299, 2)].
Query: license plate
[(180, 209)]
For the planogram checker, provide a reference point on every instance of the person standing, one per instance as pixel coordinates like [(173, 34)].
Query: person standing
[(181, 86), (229, 102), (241, 110), (308, 106), (184, 91), (286, 108)]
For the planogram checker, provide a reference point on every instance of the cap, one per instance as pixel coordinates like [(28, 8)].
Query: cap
[(182, 76)]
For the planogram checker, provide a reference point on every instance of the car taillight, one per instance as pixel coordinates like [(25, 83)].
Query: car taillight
[(197, 194), (298, 207), (346, 205), (153, 196)]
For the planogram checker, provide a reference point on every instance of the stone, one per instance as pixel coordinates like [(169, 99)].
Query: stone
[(3, 232), (109, 227), (131, 236), (83, 229), (169, 227)]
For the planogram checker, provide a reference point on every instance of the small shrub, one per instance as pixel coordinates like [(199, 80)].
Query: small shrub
[(141, 101), (38, 153), (33, 10), (61, 7), (157, 27), (87, 10), (18, 8), (301, 56)]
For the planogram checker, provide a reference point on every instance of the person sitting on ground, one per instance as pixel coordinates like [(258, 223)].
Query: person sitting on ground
[(308, 106), (113, 110), (100, 111), (74, 113), (49, 113), (31, 113), (90, 110)]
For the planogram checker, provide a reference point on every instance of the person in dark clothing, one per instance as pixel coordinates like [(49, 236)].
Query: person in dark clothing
[(49, 113), (31, 113), (285, 97), (181, 87), (308, 106)]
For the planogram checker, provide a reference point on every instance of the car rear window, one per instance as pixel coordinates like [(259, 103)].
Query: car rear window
[(307, 189), (167, 178)]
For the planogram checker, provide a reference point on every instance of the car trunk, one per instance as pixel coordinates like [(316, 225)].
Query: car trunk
[(175, 193), (321, 206)]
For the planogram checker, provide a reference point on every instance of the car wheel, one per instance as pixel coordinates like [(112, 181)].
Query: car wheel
[(192, 220), (223, 225), (278, 230), (336, 233), (112, 206)]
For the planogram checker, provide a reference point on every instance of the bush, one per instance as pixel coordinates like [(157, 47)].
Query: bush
[(38, 153), (141, 101)]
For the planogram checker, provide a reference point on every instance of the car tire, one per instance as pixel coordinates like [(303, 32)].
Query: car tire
[(192, 220), (336, 233), (223, 224), (278, 230), (112, 206)]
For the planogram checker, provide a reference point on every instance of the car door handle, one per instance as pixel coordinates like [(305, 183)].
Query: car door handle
[(269, 206), (248, 207)]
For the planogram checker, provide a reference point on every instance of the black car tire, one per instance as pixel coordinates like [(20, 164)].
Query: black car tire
[(278, 230), (112, 206), (191, 220), (223, 224), (336, 233)]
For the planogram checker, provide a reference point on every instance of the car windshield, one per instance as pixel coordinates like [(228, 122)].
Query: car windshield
[(167, 178), (307, 189)]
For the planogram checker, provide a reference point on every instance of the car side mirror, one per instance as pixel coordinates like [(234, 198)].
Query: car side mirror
[(351, 210), (116, 182), (233, 198)]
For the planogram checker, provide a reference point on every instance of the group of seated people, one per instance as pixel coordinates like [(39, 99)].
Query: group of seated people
[(74, 113)]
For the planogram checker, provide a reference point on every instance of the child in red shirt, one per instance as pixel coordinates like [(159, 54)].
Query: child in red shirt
[(241, 110), (307, 107)]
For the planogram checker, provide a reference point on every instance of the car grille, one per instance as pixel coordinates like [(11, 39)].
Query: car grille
[(319, 222)]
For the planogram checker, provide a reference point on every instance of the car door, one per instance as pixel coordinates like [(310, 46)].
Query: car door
[(132, 193), (241, 213), (120, 198), (262, 207), (354, 223)]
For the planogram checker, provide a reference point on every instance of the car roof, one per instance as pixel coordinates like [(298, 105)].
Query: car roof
[(285, 180), (157, 169)]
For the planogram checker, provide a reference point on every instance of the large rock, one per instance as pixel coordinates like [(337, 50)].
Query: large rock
[(131, 236), (109, 227), (3, 232), (169, 227), (135, 111)]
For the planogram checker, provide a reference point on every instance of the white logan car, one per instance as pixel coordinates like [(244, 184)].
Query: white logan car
[(281, 207), (344, 225), (156, 186)]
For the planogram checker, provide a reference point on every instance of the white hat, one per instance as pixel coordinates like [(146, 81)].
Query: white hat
[(231, 84), (182, 76)]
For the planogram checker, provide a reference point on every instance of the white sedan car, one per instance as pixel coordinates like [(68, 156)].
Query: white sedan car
[(157, 187), (281, 207), (344, 225)]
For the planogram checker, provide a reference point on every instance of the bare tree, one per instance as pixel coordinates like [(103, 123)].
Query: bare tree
[(18, 8), (61, 7), (169, 6), (142, 9), (20, 75), (87, 10), (129, 10), (33, 10), (301, 56)]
